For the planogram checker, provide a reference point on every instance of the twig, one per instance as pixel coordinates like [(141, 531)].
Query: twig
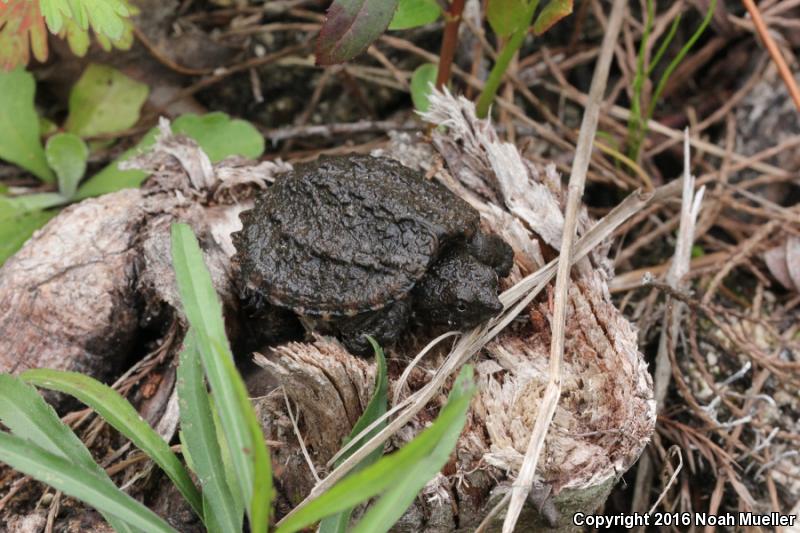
[(487, 520), (299, 436), (621, 113), (583, 153), (401, 382), (774, 51), (449, 41), (671, 324), (343, 128), (166, 60), (674, 450)]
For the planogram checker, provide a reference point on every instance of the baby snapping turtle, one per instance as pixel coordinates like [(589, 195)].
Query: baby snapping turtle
[(359, 244)]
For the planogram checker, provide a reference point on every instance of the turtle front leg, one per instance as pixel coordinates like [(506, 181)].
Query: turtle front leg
[(384, 326), (493, 251)]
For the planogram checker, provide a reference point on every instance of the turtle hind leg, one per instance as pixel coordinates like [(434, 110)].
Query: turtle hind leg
[(491, 250), (385, 326)]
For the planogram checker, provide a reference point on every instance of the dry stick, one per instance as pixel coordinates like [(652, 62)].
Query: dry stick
[(577, 179), (449, 41), (653, 126), (774, 51), (669, 334), (343, 128)]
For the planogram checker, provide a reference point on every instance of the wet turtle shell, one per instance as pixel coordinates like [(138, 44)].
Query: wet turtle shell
[(348, 234)]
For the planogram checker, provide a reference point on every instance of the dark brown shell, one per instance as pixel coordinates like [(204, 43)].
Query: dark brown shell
[(347, 234)]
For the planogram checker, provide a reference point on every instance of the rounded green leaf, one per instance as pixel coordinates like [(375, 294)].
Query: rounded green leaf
[(19, 124), (66, 154), (220, 136), (506, 16), (421, 82), (414, 13), (104, 100)]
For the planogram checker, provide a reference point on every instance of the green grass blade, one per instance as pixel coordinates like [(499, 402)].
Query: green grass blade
[(662, 82), (662, 48), (73, 480), (121, 415), (238, 420), (635, 120), (375, 409), (396, 474), (28, 416), (200, 437), (391, 506)]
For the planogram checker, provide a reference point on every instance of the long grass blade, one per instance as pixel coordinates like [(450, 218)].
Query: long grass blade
[(399, 475), (121, 415), (28, 416), (73, 480), (244, 436), (200, 437), (375, 409)]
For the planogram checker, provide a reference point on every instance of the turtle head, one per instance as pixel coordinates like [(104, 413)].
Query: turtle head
[(458, 291)]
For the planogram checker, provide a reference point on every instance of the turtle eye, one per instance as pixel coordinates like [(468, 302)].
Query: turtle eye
[(461, 307)]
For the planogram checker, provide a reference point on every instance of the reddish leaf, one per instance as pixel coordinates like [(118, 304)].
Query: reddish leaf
[(554, 11), (22, 30), (350, 27)]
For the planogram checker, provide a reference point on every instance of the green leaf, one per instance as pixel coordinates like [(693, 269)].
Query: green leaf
[(506, 16), (350, 27), (104, 100), (216, 133), (77, 38), (67, 154), (414, 13), (375, 409), (47, 127), (200, 437), (22, 34), (121, 415), (399, 476), (220, 136), (421, 82), (19, 124), (62, 474), (238, 419), (554, 11), (105, 17), (17, 226), (28, 416), (55, 12)]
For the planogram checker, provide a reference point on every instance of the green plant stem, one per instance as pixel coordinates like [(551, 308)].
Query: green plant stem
[(499, 69), (664, 45), (449, 41), (662, 83), (635, 126)]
